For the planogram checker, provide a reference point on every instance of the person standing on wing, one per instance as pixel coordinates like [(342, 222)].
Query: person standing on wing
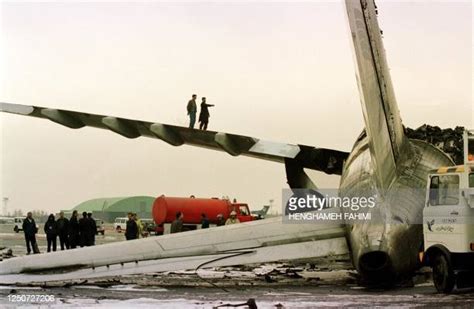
[(204, 115), (192, 110)]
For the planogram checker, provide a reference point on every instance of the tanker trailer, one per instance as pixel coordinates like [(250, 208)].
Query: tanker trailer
[(165, 209)]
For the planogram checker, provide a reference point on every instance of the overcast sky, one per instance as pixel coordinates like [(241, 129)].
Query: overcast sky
[(279, 71)]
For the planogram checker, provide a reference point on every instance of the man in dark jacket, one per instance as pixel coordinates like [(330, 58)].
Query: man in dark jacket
[(83, 230), (51, 230), (73, 230), (63, 230), (132, 229), (204, 221), (220, 220), (204, 115), (177, 225), (30, 230), (192, 110), (92, 229)]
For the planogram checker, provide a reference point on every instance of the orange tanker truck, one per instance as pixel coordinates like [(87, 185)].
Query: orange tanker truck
[(165, 209)]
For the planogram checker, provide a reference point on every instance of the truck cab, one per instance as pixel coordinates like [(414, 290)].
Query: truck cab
[(243, 212), (448, 224)]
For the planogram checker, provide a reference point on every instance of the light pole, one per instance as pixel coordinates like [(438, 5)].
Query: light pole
[(271, 210), (5, 202)]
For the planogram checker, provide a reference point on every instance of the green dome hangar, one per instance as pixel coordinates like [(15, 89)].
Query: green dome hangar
[(107, 209)]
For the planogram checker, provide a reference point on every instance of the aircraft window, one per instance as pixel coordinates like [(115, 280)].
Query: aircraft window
[(444, 190), (471, 180), (244, 211), (470, 150), (434, 185)]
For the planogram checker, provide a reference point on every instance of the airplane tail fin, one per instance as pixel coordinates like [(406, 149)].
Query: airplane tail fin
[(387, 141)]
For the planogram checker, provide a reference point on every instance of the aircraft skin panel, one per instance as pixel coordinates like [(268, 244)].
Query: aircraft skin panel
[(321, 159), (219, 240), (387, 141), (302, 250)]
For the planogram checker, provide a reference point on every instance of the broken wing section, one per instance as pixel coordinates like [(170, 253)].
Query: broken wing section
[(321, 159), (261, 241), (387, 141)]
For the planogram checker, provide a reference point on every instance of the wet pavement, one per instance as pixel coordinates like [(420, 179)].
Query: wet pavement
[(328, 284), (265, 297)]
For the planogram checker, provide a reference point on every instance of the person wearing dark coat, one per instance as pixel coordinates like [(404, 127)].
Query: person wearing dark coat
[(204, 221), (51, 230), (177, 225), (83, 230), (132, 228), (30, 230), (204, 115), (92, 226), (220, 220), (63, 231), (192, 109), (73, 231)]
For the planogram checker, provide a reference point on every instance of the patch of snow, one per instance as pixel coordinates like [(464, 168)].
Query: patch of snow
[(126, 287)]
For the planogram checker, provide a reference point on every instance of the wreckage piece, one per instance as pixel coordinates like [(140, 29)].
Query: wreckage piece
[(260, 241), (448, 140)]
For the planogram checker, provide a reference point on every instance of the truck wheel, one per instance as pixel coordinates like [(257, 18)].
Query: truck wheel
[(103, 233), (119, 229), (443, 274), (16, 229)]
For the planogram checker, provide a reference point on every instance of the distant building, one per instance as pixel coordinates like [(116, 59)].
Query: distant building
[(108, 209)]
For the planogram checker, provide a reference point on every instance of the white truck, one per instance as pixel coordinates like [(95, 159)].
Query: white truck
[(448, 227), (120, 224)]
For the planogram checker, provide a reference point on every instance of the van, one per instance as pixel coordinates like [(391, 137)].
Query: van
[(120, 224)]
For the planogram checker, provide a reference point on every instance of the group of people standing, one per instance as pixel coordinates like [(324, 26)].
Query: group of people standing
[(203, 115), (72, 233)]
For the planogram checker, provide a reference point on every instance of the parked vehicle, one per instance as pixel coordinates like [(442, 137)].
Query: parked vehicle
[(6, 220), (100, 227), (149, 227), (18, 221), (448, 223), (120, 224), (165, 209)]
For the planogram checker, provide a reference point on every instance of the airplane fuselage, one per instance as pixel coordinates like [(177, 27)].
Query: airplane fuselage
[(387, 249)]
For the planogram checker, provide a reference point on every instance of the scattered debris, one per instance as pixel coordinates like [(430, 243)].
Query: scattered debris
[(269, 279), (448, 140), (251, 304), (5, 253)]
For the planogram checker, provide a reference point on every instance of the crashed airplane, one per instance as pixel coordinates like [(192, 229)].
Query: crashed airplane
[(383, 161)]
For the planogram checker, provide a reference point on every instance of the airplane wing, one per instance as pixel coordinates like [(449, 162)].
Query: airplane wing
[(260, 241), (387, 141), (321, 159)]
